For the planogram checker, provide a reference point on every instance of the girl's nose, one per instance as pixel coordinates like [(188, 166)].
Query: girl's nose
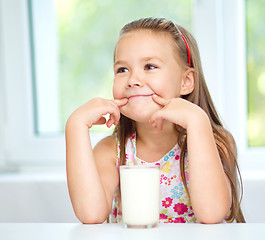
[(134, 85), (135, 81)]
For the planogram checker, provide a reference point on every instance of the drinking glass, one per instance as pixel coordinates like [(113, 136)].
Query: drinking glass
[(140, 194)]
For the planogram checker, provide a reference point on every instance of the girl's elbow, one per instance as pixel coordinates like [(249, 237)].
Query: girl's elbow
[(92, 217), (89, 219), (210, 220), (212, 216)]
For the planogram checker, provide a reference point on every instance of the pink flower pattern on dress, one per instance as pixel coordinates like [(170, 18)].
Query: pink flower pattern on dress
[(163, 216), (180, 208), (115, 212), (180, 220), (167, 203)]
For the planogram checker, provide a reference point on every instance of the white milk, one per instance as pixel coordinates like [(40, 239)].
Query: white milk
[(140, 192)]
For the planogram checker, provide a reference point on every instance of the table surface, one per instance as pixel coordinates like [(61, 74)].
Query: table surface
[(75, 231)]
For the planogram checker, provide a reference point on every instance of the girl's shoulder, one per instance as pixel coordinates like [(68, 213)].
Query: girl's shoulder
[(108, 141), (106, 150)]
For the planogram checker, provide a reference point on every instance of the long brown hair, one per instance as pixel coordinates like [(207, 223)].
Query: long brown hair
[(200, 96)]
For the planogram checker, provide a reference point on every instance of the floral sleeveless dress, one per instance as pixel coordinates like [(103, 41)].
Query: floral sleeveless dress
[(175, 206)]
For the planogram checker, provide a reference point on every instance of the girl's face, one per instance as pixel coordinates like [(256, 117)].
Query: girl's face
[(146, 64)]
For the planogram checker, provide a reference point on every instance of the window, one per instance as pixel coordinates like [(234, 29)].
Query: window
[(57, 54), (46, 77), (222, 33), (20, 146), (255, 36), (240, 81), (80, 60)]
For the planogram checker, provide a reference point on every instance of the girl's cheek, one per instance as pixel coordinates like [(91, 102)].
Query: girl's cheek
[(114, 90), (116, 93)]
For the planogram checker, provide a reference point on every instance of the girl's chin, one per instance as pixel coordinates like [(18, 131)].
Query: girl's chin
[(139, 114), (137, 118)]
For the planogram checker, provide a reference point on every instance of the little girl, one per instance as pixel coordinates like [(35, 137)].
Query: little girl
[(164, 115)]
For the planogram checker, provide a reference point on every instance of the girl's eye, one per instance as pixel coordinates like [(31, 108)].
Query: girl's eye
[(149, 67), (122, 70)]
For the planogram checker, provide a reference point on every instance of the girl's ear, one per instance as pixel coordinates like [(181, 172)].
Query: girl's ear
[(188, 82)]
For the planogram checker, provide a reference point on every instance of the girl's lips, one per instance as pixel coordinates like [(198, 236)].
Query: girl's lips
[(139, 95)]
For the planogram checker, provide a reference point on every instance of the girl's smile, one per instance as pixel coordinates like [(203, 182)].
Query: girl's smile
[(139, 96)]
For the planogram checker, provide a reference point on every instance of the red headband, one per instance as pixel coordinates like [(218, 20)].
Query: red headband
[(187, 46)]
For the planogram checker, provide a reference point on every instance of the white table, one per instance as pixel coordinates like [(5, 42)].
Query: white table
[(73, 231)]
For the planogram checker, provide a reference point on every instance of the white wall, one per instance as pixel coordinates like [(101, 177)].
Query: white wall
[(35, 198), (44, 198), (254, 197)]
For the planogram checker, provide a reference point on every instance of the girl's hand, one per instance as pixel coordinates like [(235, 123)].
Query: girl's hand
[(93, 112), (175, 110)]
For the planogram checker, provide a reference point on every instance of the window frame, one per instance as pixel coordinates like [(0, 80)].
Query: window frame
[(226, 70), (224, 62), (251, 159), (21, 146)]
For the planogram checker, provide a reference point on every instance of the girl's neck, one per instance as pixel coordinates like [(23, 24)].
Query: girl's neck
[(152, 138)]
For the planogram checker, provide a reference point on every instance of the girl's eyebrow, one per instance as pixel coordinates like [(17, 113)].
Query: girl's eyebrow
[(120, 62), (145, 59)]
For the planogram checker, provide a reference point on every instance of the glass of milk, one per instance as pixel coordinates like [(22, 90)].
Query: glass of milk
[(140, 194)]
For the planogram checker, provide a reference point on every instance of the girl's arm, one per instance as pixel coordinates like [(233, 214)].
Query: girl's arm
[(209, 187), (91, 175)]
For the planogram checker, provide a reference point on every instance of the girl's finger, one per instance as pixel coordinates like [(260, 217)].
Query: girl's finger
[(158, 123), (157, 120), (113, 111), (156, 116), (100, 121), (160, 100), (111, 121), (120, 102)]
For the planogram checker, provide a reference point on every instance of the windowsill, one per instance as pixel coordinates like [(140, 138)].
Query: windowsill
[(253, 175), (35, 196), (33, 177), (33, 174)]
